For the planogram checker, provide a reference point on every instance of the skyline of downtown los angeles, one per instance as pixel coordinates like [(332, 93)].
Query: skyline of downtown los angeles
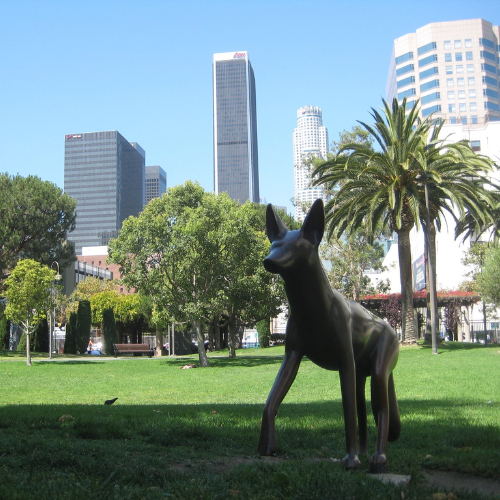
[(145, 70)]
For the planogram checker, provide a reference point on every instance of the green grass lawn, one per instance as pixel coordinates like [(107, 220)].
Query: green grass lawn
[(176, 433)]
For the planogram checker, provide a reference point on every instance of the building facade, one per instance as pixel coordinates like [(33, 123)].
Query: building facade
[(156, 182), (452, 67), (236, 164), (105, 174), (310, 139)]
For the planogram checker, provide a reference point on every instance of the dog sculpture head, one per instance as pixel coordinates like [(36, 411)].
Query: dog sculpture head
[(290, 248)]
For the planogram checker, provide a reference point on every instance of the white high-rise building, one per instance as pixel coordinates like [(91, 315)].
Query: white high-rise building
[(310, 139), (452, 67)]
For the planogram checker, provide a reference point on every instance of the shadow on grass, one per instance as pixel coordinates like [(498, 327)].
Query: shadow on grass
[(223, 362)]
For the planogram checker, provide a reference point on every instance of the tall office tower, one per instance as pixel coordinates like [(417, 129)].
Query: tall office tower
[(156, 182), (452, 67), (105, 174), (310, 139), (236, 164)]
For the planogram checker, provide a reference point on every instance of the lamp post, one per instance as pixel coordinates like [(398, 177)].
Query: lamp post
[(52, 318)]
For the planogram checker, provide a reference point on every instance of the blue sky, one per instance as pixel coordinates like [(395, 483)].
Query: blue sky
[(144, 68)]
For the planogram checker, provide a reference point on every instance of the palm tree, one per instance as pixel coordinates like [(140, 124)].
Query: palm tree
[(454, 181), (385, 187)]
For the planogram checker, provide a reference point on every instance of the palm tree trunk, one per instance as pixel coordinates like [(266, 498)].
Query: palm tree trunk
[(432, 258), (405, 273)]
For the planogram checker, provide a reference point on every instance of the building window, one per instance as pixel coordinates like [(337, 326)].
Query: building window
[(490, 93), (449, 70), (473, 119), (427, 60), (460, 68), (429, 85), (406, 93), (491, 106), (471, 80), (489, 68), (435, 96), (432, 109), (469, 56), (475, 145), (426, 48), (460, 82), (490, 81), (447, 45), (473, 106), (463, 120), (472, 93), (405, 81), (404, 57), (405, 69), (451, 108), (457, 44), (487, 55), (451, 94), (449, 82), (428, 72), (462, 106), (461, 94), (470, 68), (468, 42), (447, 57), (458, 56), (453, 120), (486, 43)]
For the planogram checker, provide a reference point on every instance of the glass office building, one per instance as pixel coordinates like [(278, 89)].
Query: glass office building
[(236, 165), (105, 174), (156, 182), (310, 140), (452, 67)]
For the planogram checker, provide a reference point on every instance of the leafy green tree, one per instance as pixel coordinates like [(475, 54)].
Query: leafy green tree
[(83, 324), (41, 337), (109, 330), (4, 329), (28, 296), (386, 188), (488, 279), (349, 259), (36, 218), (70, 341)]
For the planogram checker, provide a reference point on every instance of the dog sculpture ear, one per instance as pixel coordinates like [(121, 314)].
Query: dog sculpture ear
[(314, 223), (274, 225)]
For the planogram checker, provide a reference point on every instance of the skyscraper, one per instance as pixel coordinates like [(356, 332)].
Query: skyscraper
[(156, 182), (236, 165), (452, 67), (105, 174), (310, 139)]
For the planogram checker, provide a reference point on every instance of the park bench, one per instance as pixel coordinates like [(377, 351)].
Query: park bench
[(133, 349)]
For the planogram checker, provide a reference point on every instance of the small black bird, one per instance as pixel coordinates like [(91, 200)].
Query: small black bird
[(110, 401)]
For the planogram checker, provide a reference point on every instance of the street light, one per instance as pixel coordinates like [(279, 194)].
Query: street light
[(52, 318)]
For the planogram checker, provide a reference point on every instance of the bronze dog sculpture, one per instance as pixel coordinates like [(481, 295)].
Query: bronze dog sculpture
[(334, 333)]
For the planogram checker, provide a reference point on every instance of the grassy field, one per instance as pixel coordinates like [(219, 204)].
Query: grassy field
[(193, 433)]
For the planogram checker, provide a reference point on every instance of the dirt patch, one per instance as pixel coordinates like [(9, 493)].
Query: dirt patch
[(455, 481)]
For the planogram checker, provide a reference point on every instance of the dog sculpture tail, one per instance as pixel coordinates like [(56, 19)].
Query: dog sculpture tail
[(394, 420)]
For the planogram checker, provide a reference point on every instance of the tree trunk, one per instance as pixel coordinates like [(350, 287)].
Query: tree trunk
[(201, 343), (159, 341), (217, 337), (28, 352), (432, 258), (405, 273), (232, 336)]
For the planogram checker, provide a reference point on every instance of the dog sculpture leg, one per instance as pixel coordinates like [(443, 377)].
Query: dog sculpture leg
[(348, 388), (385, 360), (362, 420), (284, 379)]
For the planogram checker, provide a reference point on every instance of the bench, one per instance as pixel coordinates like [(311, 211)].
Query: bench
[(133, 349)]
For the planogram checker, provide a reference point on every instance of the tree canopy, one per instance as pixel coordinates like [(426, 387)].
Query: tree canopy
[(36, 217), (198, 256), (28, 296)]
